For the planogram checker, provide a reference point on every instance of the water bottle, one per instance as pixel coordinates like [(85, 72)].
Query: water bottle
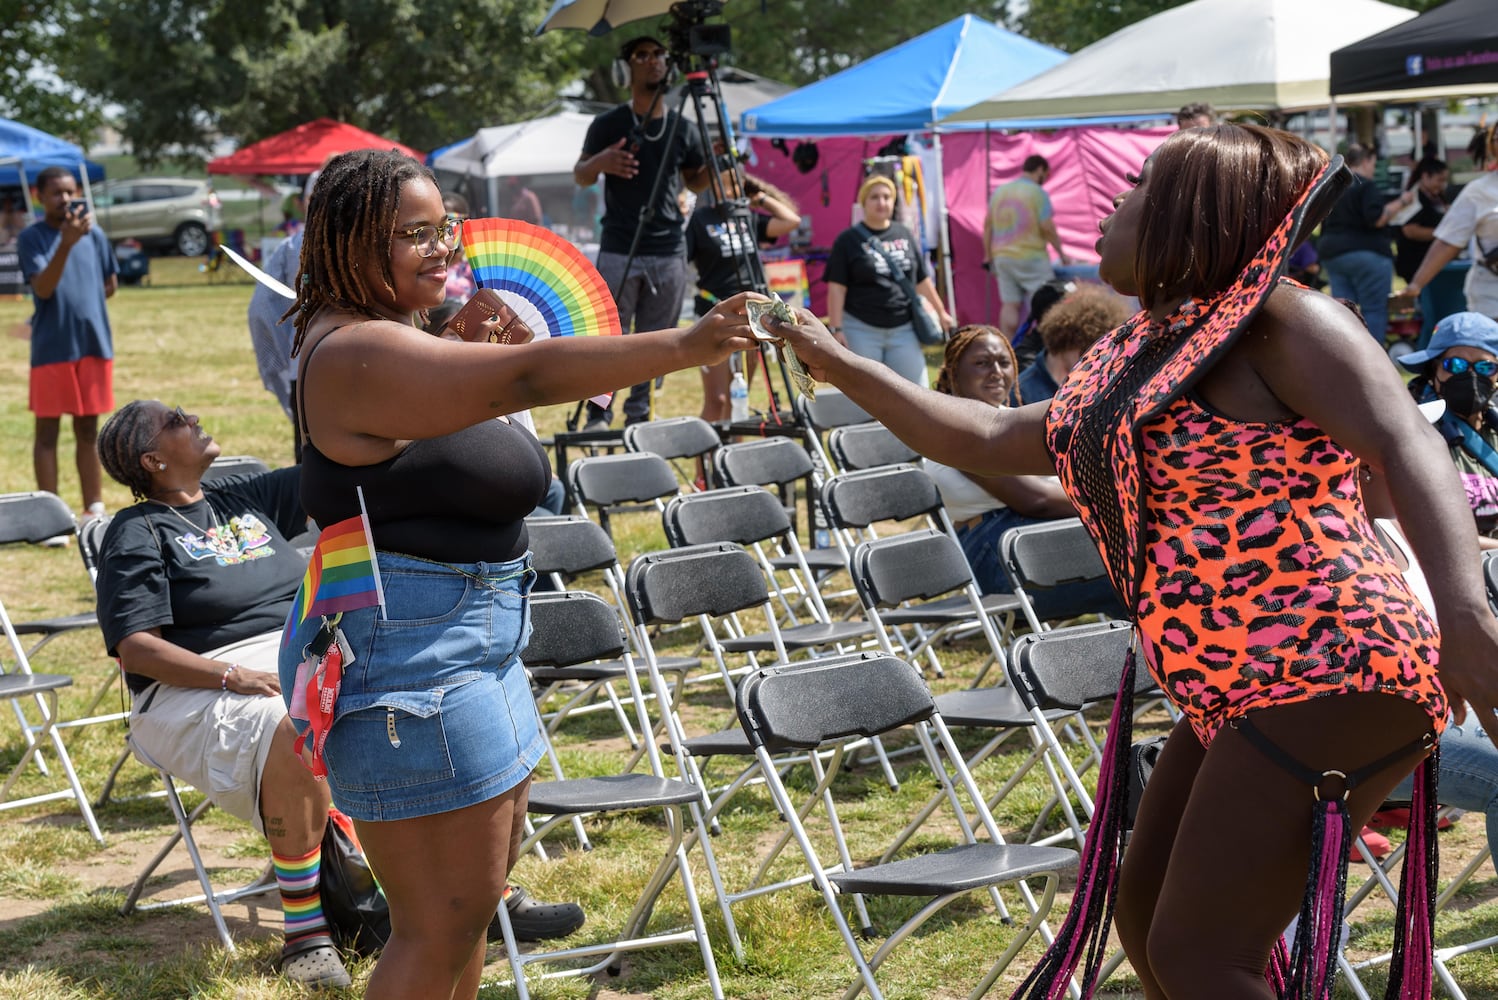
[(738, 397)]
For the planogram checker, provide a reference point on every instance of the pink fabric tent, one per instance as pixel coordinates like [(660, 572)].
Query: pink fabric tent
[(1088, 165)]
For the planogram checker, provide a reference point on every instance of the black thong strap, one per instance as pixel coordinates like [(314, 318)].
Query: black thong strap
[(1316, 778)]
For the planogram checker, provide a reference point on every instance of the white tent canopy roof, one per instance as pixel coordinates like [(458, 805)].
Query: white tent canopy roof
[(1234, 54), (539, 146)]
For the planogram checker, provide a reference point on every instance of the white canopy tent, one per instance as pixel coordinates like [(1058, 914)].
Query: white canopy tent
[(1264, 55)]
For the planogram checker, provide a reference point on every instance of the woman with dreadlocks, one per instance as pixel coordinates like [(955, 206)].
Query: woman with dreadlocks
[(1211, 445), (430, 743)]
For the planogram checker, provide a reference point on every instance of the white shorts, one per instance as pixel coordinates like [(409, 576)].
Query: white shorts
[(1021, 277), (217, 741)]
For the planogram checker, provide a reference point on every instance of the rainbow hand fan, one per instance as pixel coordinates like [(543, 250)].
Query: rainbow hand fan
[(555, 290)]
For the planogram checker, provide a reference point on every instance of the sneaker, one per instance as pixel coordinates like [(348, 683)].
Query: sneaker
[(56, 541), (534, 920), (314, 962), (596, 424), (95, 510)]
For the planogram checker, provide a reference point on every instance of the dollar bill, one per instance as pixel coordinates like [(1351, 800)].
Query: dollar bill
[(758, 310), (777, 308)]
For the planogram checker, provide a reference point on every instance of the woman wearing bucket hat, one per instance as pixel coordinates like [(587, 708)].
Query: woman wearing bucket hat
[(1460, 367)]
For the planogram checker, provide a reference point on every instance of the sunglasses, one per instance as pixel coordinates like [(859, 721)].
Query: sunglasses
[(1487, 369), (426, 237), (647, 55), (177, 417)]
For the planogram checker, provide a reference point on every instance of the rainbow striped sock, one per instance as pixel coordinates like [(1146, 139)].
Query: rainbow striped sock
[(301, 898)]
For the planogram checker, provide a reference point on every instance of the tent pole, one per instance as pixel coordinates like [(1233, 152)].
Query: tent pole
[(1331, 125), (1415, 155), (944, 232)]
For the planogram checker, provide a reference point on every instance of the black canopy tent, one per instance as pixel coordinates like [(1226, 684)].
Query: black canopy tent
[(1449, 51)]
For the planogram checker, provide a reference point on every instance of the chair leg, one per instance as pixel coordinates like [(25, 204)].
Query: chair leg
[(47, 731)]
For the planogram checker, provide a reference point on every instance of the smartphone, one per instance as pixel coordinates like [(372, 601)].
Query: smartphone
[(78, 206)]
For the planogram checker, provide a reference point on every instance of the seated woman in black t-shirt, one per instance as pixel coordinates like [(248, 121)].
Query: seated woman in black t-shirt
[(717, 247), (194, 584)]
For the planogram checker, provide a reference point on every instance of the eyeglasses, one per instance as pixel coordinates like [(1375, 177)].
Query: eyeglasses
[(174, 419), (426, 237), (1454, 365), (647, 55)]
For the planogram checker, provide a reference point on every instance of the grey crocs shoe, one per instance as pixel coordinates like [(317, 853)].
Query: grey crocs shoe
[(314, 962)]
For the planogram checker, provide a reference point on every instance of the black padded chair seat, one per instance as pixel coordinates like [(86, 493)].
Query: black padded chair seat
[(957, 869), (20, 685), (608, 670), (802, 637), (987, 708), (816, 559), (54, 626), (727, 743), (949, 610), (617, 791)]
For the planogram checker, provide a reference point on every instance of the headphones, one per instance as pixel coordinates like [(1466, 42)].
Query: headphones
[(619, 71), (619, 68)]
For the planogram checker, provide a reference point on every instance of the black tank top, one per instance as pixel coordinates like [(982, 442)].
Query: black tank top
[(459, 498)]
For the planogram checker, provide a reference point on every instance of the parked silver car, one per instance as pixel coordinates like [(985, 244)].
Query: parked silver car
[(179, 212)]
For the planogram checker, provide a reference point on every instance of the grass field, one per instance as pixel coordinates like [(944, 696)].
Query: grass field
[(182, 339)]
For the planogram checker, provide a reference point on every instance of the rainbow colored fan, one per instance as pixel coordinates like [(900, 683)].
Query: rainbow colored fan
[(555, 290)]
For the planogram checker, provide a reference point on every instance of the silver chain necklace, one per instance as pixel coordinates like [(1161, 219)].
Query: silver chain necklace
[(644, 134), (221, 540)]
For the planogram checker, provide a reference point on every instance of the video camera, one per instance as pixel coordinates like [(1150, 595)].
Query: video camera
[(688, 35)]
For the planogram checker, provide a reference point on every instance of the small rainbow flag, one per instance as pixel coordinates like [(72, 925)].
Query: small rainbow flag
[(342, 574)]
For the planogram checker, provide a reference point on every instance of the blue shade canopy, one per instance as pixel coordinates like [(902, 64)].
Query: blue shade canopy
[(36, 150), (910, 86)]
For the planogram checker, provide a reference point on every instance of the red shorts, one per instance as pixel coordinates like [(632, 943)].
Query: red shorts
[(83, 388)]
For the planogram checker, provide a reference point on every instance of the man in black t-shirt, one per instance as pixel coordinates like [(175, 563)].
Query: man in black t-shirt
[(629, 146)]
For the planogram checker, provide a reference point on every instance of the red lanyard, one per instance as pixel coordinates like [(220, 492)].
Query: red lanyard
[(323, 682)]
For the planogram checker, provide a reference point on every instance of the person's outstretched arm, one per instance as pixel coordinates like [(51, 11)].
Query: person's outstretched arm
[(962, 433)]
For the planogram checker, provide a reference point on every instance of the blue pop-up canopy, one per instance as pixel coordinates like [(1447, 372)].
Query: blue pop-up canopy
[(34, 150), (910, 86)]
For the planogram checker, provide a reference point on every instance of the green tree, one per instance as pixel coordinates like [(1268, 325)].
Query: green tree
[(424, 72), (34, 38)]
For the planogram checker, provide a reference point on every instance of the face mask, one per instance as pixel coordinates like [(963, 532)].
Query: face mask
[(1467, 394)]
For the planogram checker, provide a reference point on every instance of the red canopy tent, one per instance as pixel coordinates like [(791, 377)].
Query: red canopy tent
[(302, 149)]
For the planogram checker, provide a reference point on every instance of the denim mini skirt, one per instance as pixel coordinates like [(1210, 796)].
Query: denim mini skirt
[(435, 712)]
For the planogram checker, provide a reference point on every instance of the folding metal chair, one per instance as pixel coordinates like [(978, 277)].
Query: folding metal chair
[(810, 706), (564, 548), (17, 684), (781, 463), (1070, 670), (856, 501), (612, 484), (90, 537), (831, 409), (676, 438), (867, 446), (708, 583), (32, 518), (578, 627), (753, 518), (1046, 561)]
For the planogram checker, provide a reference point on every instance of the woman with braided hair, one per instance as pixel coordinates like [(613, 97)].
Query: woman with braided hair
[(1211, 445), (979, 363), (194, 584), (434, 733)]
